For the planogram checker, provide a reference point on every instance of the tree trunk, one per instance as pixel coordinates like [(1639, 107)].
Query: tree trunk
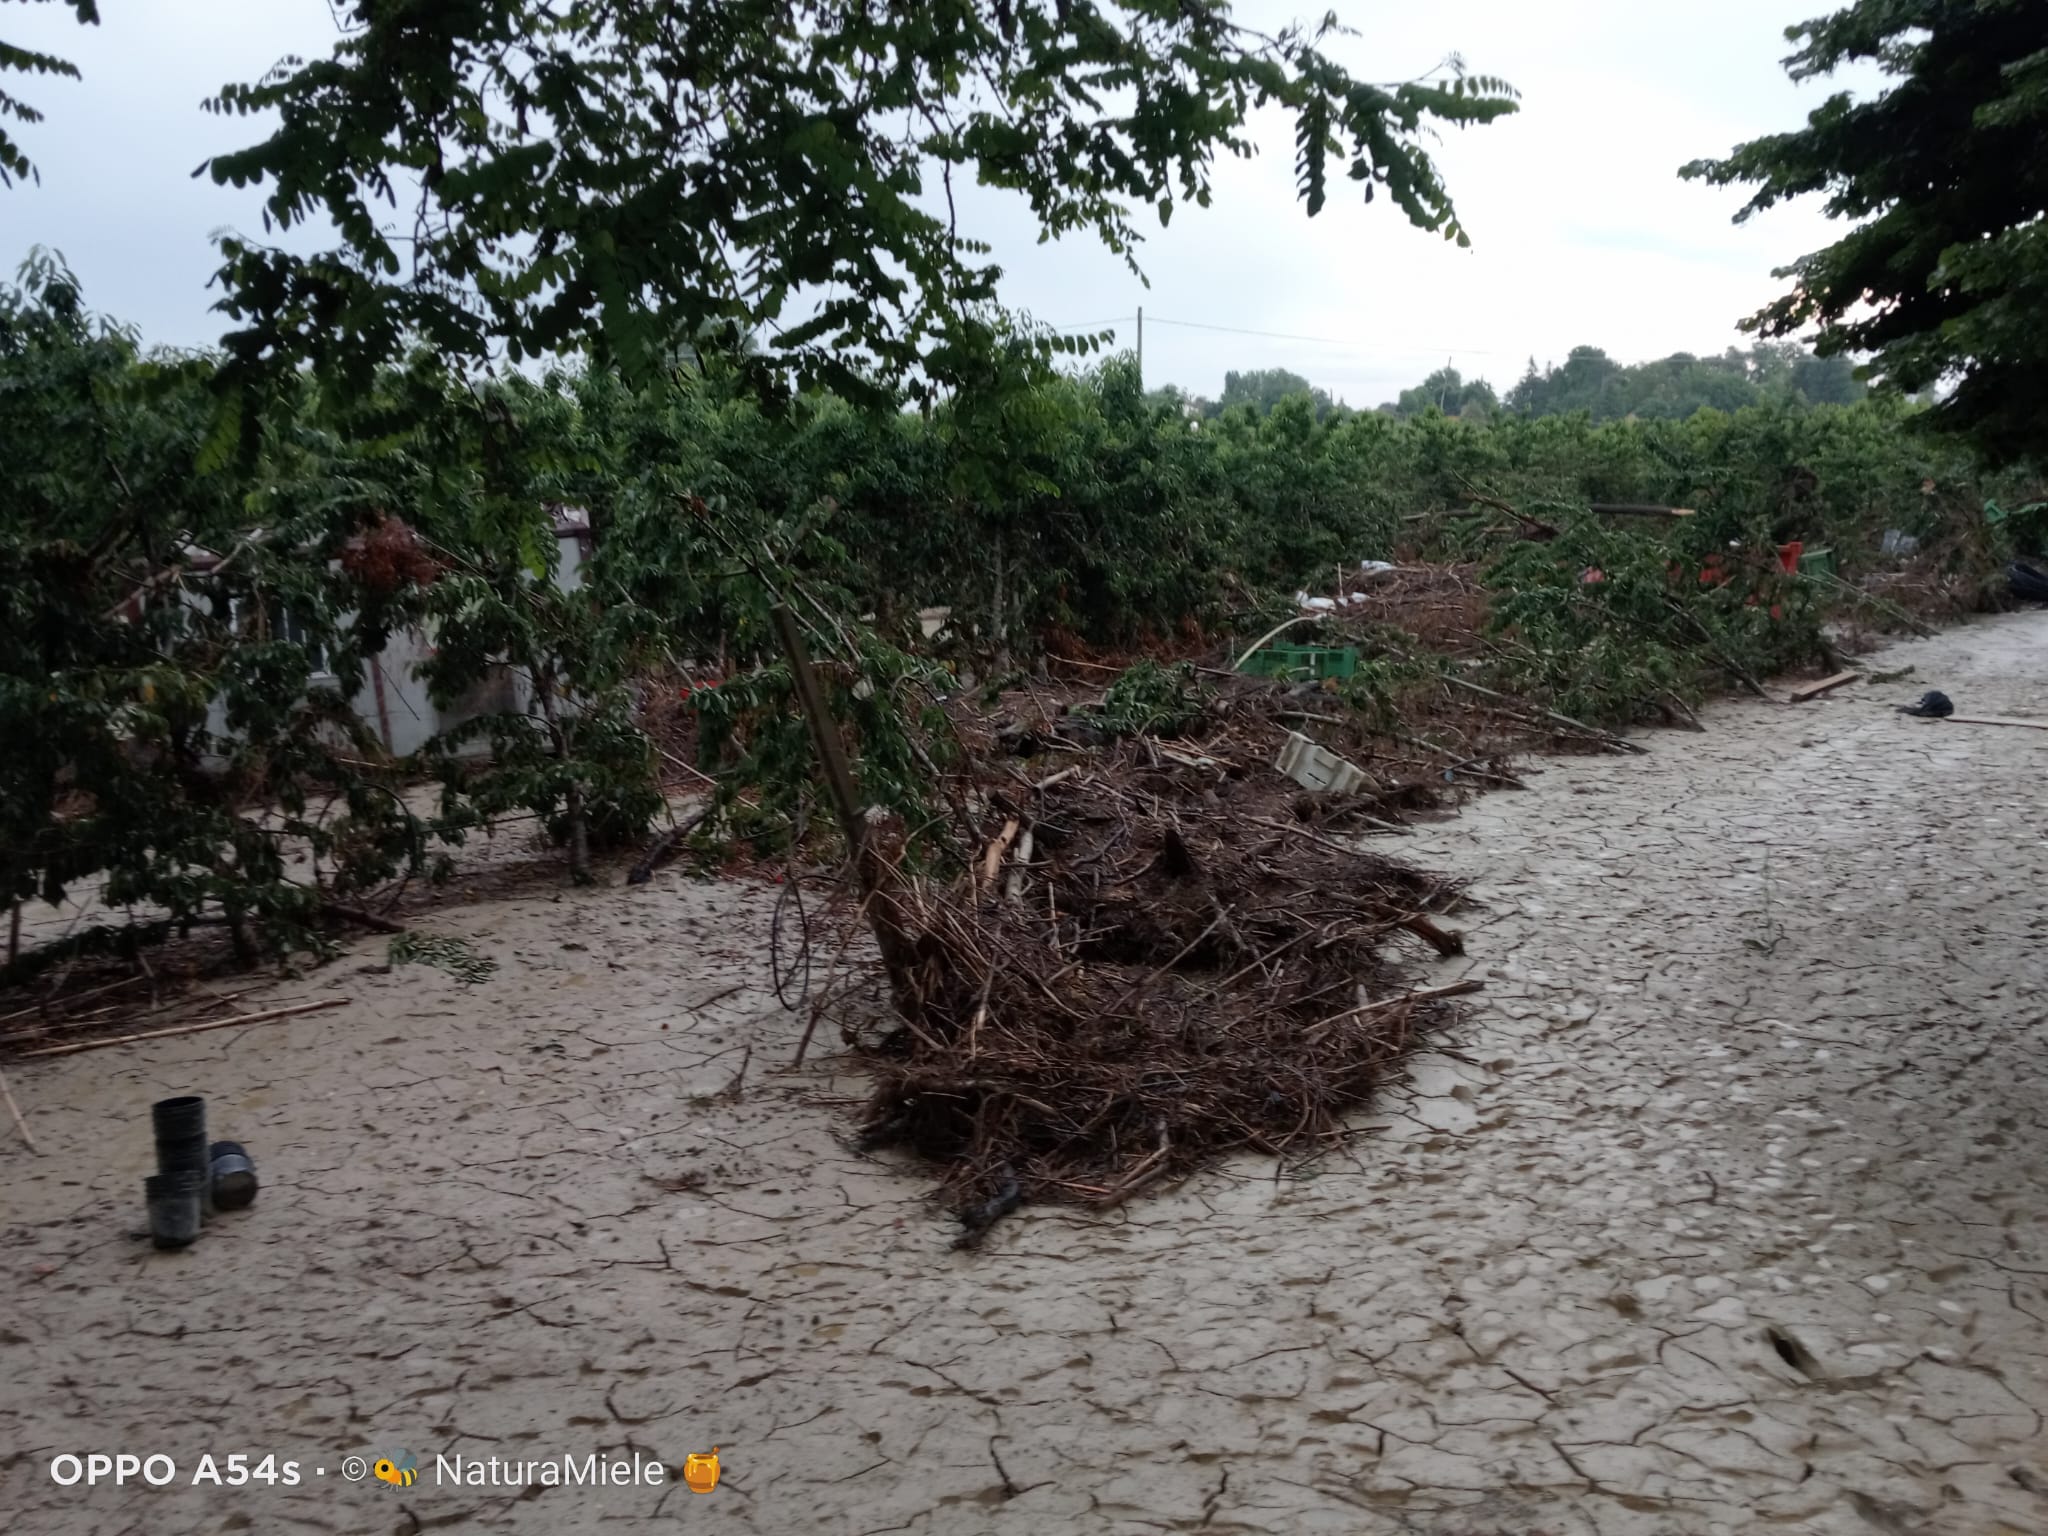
[(999, 631), (572, 794), (579, 837)]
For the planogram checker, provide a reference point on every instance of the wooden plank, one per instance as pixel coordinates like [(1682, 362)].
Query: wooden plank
[(1807, 691), (2031, 725)]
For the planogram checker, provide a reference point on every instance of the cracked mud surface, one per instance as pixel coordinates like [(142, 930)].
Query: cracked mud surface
[(1726, 1211)]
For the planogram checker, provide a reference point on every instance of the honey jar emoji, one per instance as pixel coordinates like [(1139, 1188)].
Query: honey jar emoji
[(700, 1471)]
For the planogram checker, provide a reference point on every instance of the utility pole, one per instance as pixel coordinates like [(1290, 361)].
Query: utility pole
[(1141, 349)]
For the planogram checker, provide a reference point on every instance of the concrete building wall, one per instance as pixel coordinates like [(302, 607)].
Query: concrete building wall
[(392, 699)]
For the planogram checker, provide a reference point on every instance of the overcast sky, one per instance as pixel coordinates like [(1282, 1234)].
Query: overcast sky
[(1582, 231)]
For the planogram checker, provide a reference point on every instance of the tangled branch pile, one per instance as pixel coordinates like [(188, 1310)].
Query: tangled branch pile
[(1442, 608), (1141, 971)]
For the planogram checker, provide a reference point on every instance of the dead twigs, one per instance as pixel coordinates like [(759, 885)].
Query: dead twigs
[(1168, 1001), (1605, 738), (191, 1029), (14, 1109)]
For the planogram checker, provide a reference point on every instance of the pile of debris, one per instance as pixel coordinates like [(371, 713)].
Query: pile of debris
[(1162, 944), (1143, 969), (1440, 608)]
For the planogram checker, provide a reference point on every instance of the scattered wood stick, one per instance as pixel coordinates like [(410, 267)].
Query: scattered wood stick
[(1281, 826), (1728, 663), (1426, 994), (193, 1029), (1533, 527), (997, 847), (1015, 887), (818, 1005), (42, 1005), (14, 1109), (1142, 1174), (2031, 725), (369, 920), (1679, 707), (1103, 666), (1468, 767), (1805, 691), (1619, 743), (1636, 509), (677, 762), (1890, 610), (664, 846), (1443, 940)]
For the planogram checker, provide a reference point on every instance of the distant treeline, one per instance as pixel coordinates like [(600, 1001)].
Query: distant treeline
[(1666, 389)]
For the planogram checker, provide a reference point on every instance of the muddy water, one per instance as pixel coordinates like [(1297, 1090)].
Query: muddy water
[(1724, 1213)]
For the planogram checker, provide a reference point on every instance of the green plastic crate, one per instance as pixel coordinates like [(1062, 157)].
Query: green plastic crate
[(1303, 663), (1820, 560)]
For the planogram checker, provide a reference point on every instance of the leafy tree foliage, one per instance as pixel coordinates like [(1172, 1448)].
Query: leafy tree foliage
[(150, 701), (1945, 275), (181, 656), (1672, 388), (1603, 620), (1448, 391), (14, 160), (1261, 389), (1115, 518), (627, 176)]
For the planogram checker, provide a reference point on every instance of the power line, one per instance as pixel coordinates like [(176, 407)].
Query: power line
[(1323, 341), (1327, 341)]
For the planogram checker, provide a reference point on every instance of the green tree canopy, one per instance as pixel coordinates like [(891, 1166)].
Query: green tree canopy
[(1448, 391), (1263, 388), (1673, 388), (538, 176), (14, 160), (1945, 275)]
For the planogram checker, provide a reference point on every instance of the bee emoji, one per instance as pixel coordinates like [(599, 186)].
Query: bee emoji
[(400, 1471), (700, 1472)]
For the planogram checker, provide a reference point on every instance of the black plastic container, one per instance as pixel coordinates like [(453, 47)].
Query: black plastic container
[(233, 1176), (180, 1135), (180, 1117), (175, 1201)]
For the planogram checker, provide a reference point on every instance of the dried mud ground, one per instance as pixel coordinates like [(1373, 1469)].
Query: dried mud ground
[(1724, 1212)]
